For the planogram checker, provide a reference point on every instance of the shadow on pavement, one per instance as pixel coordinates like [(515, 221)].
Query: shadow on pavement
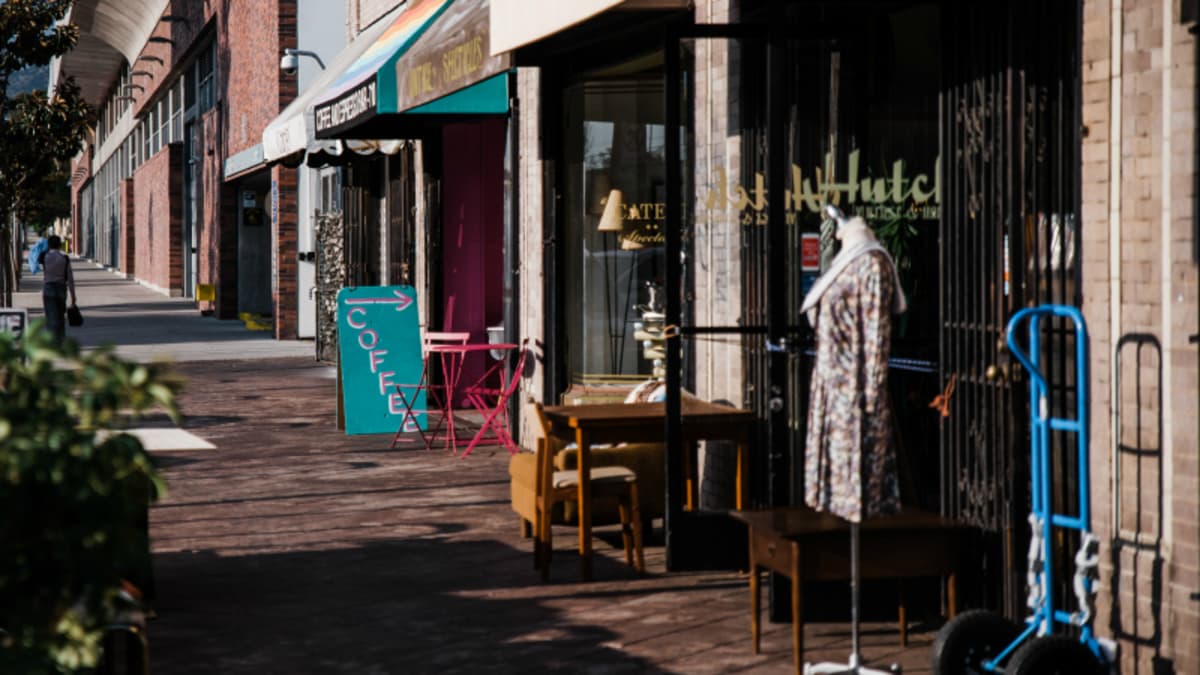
[(422, 604)]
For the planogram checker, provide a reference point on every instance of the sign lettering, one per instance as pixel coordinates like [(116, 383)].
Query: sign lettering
[(875, 197), (13, 321), (380, 349), (357, 103)]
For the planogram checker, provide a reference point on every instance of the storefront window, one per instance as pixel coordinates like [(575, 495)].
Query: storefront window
[(615, 196)]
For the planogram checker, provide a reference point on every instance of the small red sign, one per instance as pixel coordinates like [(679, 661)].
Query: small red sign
[(810, 252)]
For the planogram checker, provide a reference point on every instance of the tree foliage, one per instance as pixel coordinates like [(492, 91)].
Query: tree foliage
[(49, 200), (74, 493), (39, 133)]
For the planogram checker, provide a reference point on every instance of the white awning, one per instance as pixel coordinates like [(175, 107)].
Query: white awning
[(293, 130), (516, 23), (111, 33)]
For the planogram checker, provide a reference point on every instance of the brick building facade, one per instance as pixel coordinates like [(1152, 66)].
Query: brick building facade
[(190, 85), (1140, 297)]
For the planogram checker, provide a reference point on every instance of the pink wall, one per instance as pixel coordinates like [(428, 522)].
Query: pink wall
[(473, 232)]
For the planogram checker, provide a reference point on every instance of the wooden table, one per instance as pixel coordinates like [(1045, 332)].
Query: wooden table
[(805, 545), (645, 423)]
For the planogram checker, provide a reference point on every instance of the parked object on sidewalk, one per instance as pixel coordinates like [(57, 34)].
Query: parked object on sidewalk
[(379, 340), (559, 486), (976, 641), (439, 395), (850, 462), (490, 396)]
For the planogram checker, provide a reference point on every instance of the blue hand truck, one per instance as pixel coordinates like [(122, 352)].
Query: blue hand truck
[(981, 641)]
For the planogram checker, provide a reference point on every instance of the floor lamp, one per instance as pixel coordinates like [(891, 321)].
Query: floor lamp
[(612, 223)]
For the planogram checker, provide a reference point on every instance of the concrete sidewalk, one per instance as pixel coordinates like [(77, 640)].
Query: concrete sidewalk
[(145, 325)]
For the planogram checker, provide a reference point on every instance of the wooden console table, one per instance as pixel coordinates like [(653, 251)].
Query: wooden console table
[(805, 545)]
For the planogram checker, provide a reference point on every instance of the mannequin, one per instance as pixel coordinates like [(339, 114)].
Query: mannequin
[(850, 463)]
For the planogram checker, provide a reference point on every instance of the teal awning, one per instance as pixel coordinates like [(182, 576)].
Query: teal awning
[(433, 59), (489, 97)]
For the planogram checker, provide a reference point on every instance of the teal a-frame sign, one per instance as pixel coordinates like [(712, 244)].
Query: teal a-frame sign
[(379, 342)]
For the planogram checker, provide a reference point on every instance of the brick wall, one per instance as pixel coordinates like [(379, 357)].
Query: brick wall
[(720, 373), (1140, 287), (158, 220), (81, 172), (253, 36), (531, 246), (160, 59), (283, 235), (216, 230)]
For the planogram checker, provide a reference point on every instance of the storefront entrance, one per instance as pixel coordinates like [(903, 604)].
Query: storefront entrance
[(957, 141)]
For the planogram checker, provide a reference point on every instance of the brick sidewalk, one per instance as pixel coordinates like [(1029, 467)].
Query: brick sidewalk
[(293, 548)]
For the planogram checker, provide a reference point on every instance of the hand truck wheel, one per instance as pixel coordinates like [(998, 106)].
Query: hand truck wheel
[(969, 639), (1054, 655)]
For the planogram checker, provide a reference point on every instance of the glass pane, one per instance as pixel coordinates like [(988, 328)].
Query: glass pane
[(615, 206)]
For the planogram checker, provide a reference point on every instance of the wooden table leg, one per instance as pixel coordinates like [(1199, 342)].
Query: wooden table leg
[(902, 614), (797, 610), (755, 599), (689, 459), (742, 472), (584, 462), (951, 595)]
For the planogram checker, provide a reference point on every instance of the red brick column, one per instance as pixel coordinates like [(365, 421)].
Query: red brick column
[(284, 224)]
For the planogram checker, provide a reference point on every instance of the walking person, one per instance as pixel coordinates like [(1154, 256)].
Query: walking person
[(56, 283)]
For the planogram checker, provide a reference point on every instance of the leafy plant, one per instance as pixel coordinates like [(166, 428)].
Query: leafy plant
[(897, 233), (74, 493)]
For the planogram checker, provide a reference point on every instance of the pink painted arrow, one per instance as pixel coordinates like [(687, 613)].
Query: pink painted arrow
[(401, 301)]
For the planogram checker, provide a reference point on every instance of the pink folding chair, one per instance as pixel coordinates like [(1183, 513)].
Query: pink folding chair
[(492, 403), (438, 397)]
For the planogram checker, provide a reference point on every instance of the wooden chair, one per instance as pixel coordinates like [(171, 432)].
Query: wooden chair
[(560, 486)]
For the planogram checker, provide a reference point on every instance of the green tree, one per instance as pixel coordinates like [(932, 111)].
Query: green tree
[(74, 492), (49, 200), (38, 133)]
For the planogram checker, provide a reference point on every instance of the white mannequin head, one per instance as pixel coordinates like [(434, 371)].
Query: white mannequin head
[(854, 231)]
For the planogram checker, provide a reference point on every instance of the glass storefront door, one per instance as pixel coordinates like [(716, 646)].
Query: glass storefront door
[(614, 210)]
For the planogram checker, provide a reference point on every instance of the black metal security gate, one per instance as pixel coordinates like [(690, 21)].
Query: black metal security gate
[(1010, 149), (402, 218), (361, 197)]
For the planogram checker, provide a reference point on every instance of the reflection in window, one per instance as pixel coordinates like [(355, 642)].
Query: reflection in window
[(615, 211)]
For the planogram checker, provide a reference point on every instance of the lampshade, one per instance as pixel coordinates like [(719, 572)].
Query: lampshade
[(611, 221)]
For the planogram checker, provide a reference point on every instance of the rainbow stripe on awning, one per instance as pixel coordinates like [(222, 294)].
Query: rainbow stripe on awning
[(370, 81)]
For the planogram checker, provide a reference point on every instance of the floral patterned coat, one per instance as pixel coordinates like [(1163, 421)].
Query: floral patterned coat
[(850, 459)]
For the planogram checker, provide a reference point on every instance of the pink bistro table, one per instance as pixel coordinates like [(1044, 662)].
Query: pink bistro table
[(452, 359)]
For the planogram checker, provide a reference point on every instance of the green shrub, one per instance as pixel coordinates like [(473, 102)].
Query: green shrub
[(72, 502)]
